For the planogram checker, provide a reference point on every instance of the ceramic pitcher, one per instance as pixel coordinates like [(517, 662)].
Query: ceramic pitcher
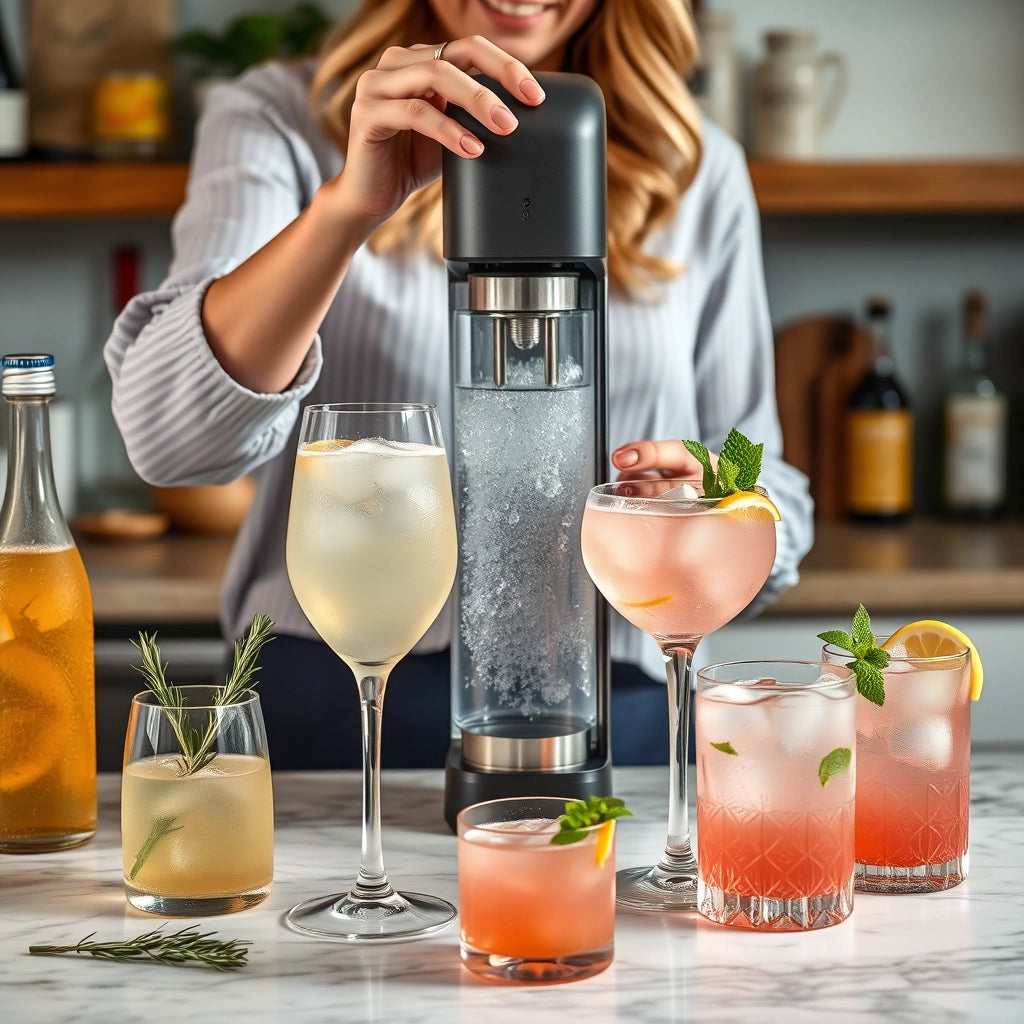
[(796, 93)]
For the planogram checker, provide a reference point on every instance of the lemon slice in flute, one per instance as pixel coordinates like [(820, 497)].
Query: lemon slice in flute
[(929, 638)]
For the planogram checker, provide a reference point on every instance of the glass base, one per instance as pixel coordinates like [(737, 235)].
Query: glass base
[(658, 888), (919, 878), (401, 917), (762, 913), (195, 906), (536, 970), (45, 844)]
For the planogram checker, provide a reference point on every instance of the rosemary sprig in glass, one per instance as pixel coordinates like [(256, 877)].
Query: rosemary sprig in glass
[(196, 744), (186, 946)]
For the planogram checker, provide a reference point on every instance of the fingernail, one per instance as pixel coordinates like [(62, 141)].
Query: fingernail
[(504, 118), (531, 90), (471, 145), (629, 457)]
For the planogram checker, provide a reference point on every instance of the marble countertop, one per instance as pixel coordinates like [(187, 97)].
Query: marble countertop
[(944, 958)]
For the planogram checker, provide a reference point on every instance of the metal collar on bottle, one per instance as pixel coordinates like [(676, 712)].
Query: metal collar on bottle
[(28, 376)]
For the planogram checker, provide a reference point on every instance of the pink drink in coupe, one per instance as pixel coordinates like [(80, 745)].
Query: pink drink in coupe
[(678, 569), (679, 565)]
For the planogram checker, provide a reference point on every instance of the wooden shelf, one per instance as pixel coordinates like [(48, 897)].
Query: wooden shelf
[(888, 188), (33, 191), (70, 190)]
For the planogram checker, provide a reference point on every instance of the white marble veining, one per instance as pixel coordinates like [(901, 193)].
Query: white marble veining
[(945, 958)]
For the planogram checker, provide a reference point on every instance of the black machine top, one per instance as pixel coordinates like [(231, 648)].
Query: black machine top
[(539, 194)]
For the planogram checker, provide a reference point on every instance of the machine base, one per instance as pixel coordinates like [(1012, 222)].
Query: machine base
[(464, 785)]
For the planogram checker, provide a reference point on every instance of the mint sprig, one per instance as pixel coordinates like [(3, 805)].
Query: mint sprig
[(581, 815), (726, 748), (739, 465), (868, 658), (834, 763)]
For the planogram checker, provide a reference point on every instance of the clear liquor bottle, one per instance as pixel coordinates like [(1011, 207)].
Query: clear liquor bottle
[(879, 432), (976, 421)]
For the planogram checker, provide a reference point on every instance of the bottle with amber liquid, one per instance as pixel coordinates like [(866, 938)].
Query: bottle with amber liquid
[(47, 669), (879, 433), (976, 421)]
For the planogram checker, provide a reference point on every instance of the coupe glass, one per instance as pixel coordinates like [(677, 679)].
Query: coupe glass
[(678, 568), (371, 557)]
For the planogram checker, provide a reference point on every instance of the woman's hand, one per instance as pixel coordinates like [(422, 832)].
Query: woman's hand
[(641, 460), (399, 122)]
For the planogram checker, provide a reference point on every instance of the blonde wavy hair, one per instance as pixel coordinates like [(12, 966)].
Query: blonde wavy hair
[(639, 52)]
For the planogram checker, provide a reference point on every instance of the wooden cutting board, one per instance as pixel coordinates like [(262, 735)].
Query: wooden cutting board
[(818, 362)]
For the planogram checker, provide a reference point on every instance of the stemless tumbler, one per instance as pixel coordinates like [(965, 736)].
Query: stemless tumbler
[(197, 810), (914, 774), (531, 911), (775, 794)]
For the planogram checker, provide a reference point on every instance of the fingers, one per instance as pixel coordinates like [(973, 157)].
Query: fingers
[(409, 90), (663, 458), (412, 96), (475, 53)]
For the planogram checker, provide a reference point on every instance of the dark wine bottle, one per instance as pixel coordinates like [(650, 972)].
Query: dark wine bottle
[(879, 433)]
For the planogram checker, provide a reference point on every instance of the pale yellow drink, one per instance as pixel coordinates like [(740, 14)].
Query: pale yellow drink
[(371, 544), (209, 834)]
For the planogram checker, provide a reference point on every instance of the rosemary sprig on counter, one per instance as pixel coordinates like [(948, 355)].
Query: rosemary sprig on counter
[(186, 946), (195, 743)]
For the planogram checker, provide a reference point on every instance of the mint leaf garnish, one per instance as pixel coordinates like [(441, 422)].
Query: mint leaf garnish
[(745, 456), (834, 763), (868, 658), (739, 465), (580, 815), (725, 748)]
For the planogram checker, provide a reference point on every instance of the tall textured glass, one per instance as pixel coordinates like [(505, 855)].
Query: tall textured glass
[(47, 674), (913, 774), (775, 781), (371, 558)]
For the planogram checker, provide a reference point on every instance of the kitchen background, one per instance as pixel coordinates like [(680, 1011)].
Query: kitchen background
[(929, 80)]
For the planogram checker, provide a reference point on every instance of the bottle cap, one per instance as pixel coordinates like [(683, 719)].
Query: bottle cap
[(28, 375)]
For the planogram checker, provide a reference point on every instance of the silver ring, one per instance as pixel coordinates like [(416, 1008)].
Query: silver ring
[(439, 51)]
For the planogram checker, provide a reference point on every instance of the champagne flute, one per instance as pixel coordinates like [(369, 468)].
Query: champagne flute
[(678, 568), (371, 557)]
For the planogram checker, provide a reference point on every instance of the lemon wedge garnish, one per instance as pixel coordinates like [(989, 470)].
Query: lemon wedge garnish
[(929, 638), (749, 504), (605, 836), (331, 444)]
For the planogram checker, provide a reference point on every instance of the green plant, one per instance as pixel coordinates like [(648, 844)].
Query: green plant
[(252, 38)]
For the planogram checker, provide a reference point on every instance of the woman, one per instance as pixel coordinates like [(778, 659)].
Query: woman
[(306, 269)]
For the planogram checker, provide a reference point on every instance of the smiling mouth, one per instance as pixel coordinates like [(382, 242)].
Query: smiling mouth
[(512, 9)]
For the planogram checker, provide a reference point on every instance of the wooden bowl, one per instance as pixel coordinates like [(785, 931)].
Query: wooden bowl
[(206, 508)]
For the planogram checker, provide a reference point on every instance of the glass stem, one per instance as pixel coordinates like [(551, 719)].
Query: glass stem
[(678, 671), (372, 883)]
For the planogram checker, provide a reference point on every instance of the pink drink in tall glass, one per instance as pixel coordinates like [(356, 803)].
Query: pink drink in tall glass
[(913, 775)]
